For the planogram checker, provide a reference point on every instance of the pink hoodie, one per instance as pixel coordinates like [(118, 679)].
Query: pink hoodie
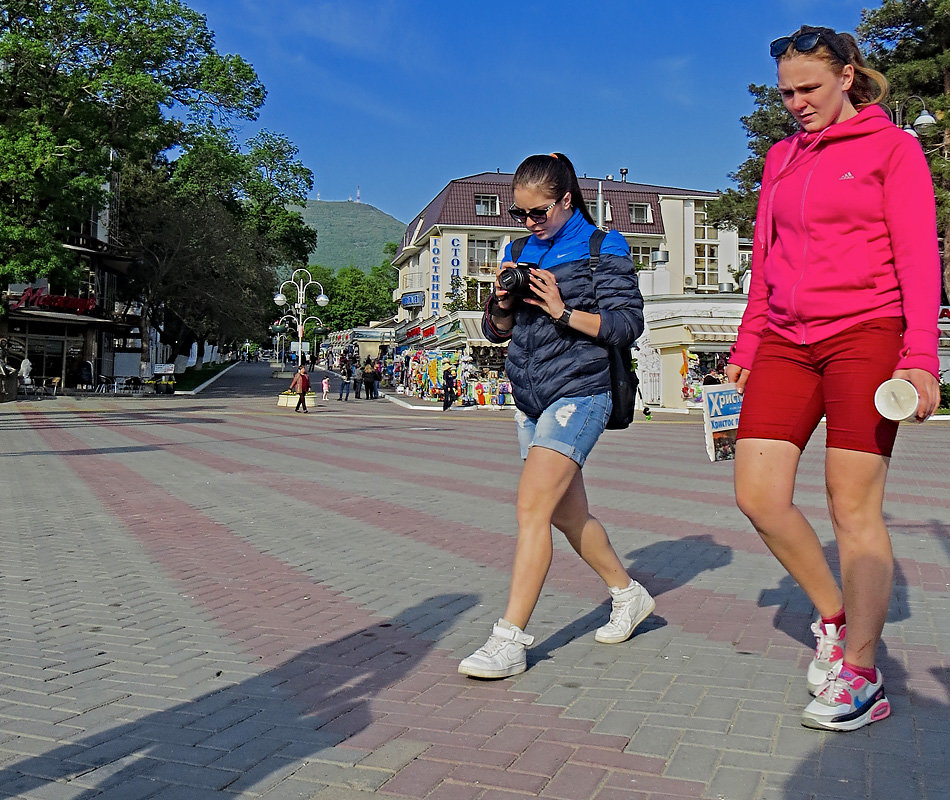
[(845, 232)]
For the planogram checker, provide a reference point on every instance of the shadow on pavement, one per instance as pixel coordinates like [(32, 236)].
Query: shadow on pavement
[(240, 736), (903, 757), (670, 564), (661, 567)]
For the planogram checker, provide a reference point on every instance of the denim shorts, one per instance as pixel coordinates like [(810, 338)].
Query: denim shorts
[(571, 425)]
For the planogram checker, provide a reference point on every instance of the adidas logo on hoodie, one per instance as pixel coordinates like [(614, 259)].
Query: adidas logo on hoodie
[(847, 176)]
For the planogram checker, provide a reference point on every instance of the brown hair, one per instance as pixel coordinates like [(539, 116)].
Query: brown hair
[(554, 174), (869, 86)]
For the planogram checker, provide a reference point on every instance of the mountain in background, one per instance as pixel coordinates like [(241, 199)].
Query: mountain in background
[(350, 233)]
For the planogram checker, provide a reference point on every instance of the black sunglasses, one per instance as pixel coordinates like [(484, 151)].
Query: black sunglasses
[(536, 214), (808, 40)]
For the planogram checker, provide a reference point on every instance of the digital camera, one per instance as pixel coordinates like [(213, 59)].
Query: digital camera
[(517, 280)]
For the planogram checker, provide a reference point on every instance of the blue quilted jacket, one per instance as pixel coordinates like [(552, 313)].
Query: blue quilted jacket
[(546, 361)]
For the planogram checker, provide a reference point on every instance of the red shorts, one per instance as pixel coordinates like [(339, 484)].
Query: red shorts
[(791, 386)]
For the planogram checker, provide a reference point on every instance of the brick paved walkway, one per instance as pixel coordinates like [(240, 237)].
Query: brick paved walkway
[(210, 597)]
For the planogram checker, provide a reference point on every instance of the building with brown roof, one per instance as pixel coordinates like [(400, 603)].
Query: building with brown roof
[(688, 270)]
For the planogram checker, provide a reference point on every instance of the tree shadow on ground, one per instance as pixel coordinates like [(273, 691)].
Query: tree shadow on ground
[(248, 733)]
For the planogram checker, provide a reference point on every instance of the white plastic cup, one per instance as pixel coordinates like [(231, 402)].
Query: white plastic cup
[(896, 399)]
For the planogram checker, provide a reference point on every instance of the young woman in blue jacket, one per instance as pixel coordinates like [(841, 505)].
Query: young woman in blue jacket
[(560, 380)]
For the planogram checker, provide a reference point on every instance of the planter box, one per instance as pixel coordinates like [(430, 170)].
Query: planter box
[(290, 400)]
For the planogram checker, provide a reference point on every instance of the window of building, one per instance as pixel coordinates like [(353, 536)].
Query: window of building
[(592, 210), (707, 265), (482, 253), (640, 253), (704, 230), (640, 213), (486, 205)]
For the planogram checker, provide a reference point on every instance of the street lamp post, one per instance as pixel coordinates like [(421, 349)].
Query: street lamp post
[(301, 280), (924, 123)]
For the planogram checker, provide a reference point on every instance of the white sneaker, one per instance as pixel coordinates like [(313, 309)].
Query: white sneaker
[(501, 656), (829, 653), (630, 607)]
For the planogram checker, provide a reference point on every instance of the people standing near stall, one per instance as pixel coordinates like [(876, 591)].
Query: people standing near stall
[(560, 377), (301, 384), (845, 294), (346, 375)]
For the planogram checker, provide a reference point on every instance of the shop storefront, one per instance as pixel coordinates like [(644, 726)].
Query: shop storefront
[(424, 350), (686, 342), (64, 338)]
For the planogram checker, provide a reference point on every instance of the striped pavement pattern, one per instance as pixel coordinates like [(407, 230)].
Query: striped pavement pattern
[(212, 597)]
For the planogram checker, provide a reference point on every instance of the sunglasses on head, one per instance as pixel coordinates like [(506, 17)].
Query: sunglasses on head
[(536, 214), (807, 40)]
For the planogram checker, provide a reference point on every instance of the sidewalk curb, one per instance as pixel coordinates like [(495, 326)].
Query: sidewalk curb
[(208, 382), (413, 407)]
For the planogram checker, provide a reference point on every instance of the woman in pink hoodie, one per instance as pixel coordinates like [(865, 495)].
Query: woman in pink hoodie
[(845, 294)]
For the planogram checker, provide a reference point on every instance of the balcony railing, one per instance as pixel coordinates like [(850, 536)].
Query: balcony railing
[(482, 267)]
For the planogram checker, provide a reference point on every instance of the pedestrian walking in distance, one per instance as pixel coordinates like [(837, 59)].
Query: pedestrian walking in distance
[(557, 335), (301, 384), (326, 387), (845, 294)]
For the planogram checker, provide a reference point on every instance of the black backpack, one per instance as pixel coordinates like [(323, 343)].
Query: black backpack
[(623, 376)]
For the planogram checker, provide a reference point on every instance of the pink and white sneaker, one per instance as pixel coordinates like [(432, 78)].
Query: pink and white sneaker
[(846, 702), (829, 652)]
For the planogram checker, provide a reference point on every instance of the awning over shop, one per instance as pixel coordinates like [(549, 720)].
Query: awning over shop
[(472, 328), (74, 319), (713, 333)]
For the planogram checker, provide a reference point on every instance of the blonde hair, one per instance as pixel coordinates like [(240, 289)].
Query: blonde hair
[(869, 86)]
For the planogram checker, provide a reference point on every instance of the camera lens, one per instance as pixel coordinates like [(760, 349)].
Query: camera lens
[(517, 280)]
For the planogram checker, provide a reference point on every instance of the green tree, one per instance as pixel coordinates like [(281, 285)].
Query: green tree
[(909, 41), (86, 85), (356, 297), (768, 124), (213, 227), (463, 295)]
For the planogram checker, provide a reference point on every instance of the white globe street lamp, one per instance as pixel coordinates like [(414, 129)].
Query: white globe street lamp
[(924, 123), (301, 280)]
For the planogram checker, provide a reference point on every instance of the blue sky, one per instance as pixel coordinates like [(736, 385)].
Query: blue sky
[(400, 97)]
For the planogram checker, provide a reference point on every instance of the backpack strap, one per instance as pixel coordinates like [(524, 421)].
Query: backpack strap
[(517, 245), (596, 239)]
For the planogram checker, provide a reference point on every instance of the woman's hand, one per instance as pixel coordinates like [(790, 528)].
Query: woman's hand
[(737, 375), (547, 295), (503, 300), (928, 390)]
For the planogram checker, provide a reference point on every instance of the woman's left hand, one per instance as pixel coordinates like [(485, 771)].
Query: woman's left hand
[(547, 295), (928, 390)]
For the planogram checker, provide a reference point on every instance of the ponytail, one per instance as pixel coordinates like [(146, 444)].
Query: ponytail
[(870, 86), (554, 174)]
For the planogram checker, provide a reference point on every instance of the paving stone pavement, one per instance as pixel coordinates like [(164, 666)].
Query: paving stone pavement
[(210, 597)]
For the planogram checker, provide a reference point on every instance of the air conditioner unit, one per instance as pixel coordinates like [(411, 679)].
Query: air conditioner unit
[(689, 280)]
